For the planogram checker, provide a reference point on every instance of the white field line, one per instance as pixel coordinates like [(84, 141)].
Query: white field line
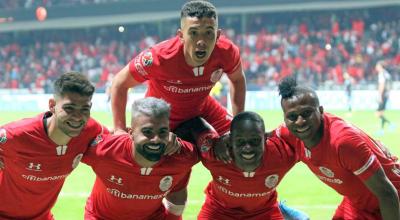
[(196, 201)]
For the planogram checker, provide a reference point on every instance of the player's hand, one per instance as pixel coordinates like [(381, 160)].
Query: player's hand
[(173, 145), (221, 149)]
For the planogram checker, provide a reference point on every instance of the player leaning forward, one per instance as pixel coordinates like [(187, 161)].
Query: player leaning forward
[(40, 152), (133, 175), (340, 155)]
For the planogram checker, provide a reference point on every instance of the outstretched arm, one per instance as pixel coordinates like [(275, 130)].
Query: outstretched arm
[(119, 97), (387, 195)]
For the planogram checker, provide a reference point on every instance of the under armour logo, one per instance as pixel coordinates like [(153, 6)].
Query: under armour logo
[(223, 180), (61, 150), (34, 167), (116, 180)]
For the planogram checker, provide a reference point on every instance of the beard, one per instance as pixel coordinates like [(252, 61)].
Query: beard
[(149, 154)]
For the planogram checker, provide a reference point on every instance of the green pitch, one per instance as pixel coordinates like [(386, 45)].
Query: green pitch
[(300, 187)]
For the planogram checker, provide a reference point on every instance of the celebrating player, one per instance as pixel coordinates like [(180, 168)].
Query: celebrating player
[(183, 69), (132, 174), (246, 188), (341, 155), (40, 152)]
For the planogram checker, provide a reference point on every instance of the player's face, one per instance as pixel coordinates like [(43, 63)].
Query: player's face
[(150, 136), (198, 37), (303, 118), (71, 112), (247, 139)]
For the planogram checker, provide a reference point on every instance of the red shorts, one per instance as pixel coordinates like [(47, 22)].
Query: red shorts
[(211, 110), (346, 211), (210, 211)]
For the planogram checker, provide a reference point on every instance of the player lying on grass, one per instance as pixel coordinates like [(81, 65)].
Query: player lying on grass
[(134, 179), (340, 155), (246, 188)]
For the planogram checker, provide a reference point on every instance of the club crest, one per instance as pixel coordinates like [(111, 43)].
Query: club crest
[(166, 183), (327, 172), (271, 181), (216, 75)]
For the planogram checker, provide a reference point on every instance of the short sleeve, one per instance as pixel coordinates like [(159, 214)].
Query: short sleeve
[(142, 65), (356, 156), (205, 143), (230, 56)]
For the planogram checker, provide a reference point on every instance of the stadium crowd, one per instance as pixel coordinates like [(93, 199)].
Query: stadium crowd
[(317, 47), (16, 4)]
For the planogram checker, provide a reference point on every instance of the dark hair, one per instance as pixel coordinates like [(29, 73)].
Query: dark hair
[(288, 88), (73, 82), (198, 9), (247, 115)]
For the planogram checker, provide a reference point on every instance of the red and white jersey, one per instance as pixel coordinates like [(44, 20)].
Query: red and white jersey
[(169, 76), (125, 190), (238, 193), (36, 167), (344, 159)]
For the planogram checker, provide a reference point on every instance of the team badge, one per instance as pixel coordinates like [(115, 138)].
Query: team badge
[(96, 141), (147, 58), (327, 172), (271, 181), (216, 75), (76, 160), (166, 183), (3, 136)]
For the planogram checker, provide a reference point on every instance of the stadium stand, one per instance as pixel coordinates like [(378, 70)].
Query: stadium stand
[(318, 46)]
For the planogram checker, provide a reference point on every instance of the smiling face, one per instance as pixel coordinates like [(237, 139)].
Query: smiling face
[(150, 135), (199, 36), (303, 117), (247, 139), (71, 112)]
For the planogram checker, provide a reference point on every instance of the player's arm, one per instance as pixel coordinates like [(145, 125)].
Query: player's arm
[(237, 89), (386, 194), (119, 97), (174, 204)]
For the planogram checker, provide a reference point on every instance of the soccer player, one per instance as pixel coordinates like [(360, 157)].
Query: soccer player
[(40, 152), (384, 80), (245, 188), (340, 155), (183, 69), (134, 180)]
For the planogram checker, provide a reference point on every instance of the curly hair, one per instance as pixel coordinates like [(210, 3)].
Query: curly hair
[(287, 87)]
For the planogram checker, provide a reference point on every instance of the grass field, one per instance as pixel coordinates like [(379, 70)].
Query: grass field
[(300, 187)]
